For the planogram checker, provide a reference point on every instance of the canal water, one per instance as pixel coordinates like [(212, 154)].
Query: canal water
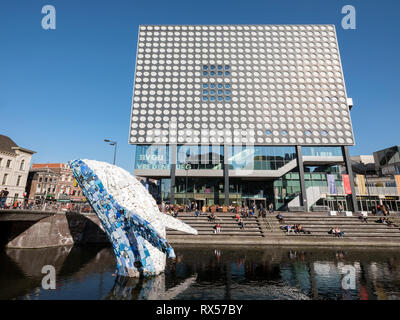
[(207, 273)]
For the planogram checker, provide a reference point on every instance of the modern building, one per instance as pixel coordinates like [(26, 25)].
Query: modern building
[(377, 179), (233, 114), (14, 168), (53, 181), (387, 161)]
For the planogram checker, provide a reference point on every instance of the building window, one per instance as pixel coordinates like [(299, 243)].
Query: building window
[(152, 157), (1, 161), (322, 151), (19, 180), (212, 91), (21, 167), (8, 165), (5, 179), (200, 156)]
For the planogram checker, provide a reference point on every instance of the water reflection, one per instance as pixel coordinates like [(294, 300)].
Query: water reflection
[(147, 289), (208, 273)]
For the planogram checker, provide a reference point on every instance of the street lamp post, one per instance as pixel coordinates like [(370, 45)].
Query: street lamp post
[(113, 143), (366, 182), (187, 168)]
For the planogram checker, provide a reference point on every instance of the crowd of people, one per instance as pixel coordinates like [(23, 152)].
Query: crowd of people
[(241, 212), (244, 210), (25, 203)]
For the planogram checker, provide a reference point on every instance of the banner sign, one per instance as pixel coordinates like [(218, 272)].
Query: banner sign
[(346, 183), (331, 183), (361, 184), (397, 177)]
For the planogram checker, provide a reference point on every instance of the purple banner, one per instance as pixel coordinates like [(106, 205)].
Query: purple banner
[(331, 183)]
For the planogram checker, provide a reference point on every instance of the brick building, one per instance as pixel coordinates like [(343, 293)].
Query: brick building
[(53, 181)]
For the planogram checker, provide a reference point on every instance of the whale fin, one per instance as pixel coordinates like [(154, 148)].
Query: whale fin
[(176, 224)]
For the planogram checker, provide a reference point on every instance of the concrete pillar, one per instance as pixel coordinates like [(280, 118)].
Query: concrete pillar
[(303, 195), (226, 174), (173, 153), (346, 156)]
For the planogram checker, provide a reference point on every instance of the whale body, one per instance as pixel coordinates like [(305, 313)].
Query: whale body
[(130, 217)]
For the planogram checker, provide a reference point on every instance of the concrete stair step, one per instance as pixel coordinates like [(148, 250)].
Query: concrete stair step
[(242, 233), (349, 234)]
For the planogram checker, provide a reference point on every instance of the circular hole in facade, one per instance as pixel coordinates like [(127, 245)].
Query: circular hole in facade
[(268, 132)]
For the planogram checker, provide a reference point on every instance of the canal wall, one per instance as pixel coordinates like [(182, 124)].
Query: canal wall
[(60, 229), (24, 231)]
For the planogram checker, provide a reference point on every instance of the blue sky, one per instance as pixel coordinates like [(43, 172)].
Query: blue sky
[(63, 91)]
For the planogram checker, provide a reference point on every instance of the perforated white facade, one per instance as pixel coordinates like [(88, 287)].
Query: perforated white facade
[(235, 84)]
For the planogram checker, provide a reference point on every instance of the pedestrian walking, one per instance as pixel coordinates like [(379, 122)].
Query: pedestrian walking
[(3, 198)]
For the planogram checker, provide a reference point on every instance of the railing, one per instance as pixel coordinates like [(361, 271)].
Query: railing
[(373, 191), (387, 191), (20, 204)]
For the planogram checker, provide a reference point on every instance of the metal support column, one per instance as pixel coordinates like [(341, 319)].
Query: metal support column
[(226, 174), (303, 195), (172, 149), (349, 170)]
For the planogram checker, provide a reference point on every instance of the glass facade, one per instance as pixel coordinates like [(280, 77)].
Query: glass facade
[(206, 191), (286, 188), (322, 151), (243, 190), (315, 176), (200, 157), (165, 190), (152, 157), (260, 157)]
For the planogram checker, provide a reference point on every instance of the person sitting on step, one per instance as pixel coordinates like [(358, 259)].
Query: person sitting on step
[(211, 217), (241, 223), (280, 218), (363, 218)]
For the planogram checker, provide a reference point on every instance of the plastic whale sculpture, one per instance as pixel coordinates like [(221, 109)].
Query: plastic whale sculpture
[(129, 216)]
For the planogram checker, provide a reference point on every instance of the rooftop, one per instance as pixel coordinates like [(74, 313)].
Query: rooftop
[(7, 145)]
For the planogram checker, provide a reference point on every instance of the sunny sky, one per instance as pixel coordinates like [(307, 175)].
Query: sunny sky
[(63, 91)]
